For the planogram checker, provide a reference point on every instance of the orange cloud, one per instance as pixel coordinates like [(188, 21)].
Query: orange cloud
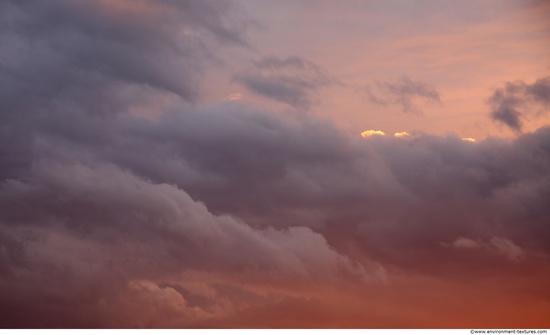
[(402, 134), (369, 133)]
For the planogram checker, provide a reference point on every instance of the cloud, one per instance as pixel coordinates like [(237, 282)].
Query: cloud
[(499, 245), (271, 172), (403, 93), (402, 134), (511, 103), (75, 45), (291, 81), (205, 214), (246, 197), (96, 202), (76, 220), (102, 58), (507, 248), (462, 242), (369, 133)]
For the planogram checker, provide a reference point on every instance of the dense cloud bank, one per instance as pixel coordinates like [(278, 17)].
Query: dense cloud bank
[(112, 219)]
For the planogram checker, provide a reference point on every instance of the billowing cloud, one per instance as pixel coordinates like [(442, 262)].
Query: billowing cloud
[(306, 202), (225, 215), (511, 103), (121, 43), (292, 81), (69, 221), (403, 92), (272, 172), (102, 58)]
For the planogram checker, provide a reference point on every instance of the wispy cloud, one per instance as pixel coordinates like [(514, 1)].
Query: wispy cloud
[(403, 93), (291, 80)]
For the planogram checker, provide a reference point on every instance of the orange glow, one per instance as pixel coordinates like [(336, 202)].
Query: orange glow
[(369, 133), (402, 134), (234, 97)]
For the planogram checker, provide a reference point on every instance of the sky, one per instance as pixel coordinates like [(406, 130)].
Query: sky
[(274, 164)]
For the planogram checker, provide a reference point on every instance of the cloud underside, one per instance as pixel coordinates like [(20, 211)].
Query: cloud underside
[(225, 216)]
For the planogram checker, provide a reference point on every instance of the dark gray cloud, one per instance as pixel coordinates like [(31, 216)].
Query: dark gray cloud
[(515, 100), (292, 81), (270, 172), (72, 254), (64, 47), (307, 198), (102, 58), (403, 92), (70, 226)]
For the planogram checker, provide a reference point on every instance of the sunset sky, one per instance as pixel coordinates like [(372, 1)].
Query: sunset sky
[(274, 164)]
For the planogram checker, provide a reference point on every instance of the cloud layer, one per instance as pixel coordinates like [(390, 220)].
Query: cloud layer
[(221, 215)]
